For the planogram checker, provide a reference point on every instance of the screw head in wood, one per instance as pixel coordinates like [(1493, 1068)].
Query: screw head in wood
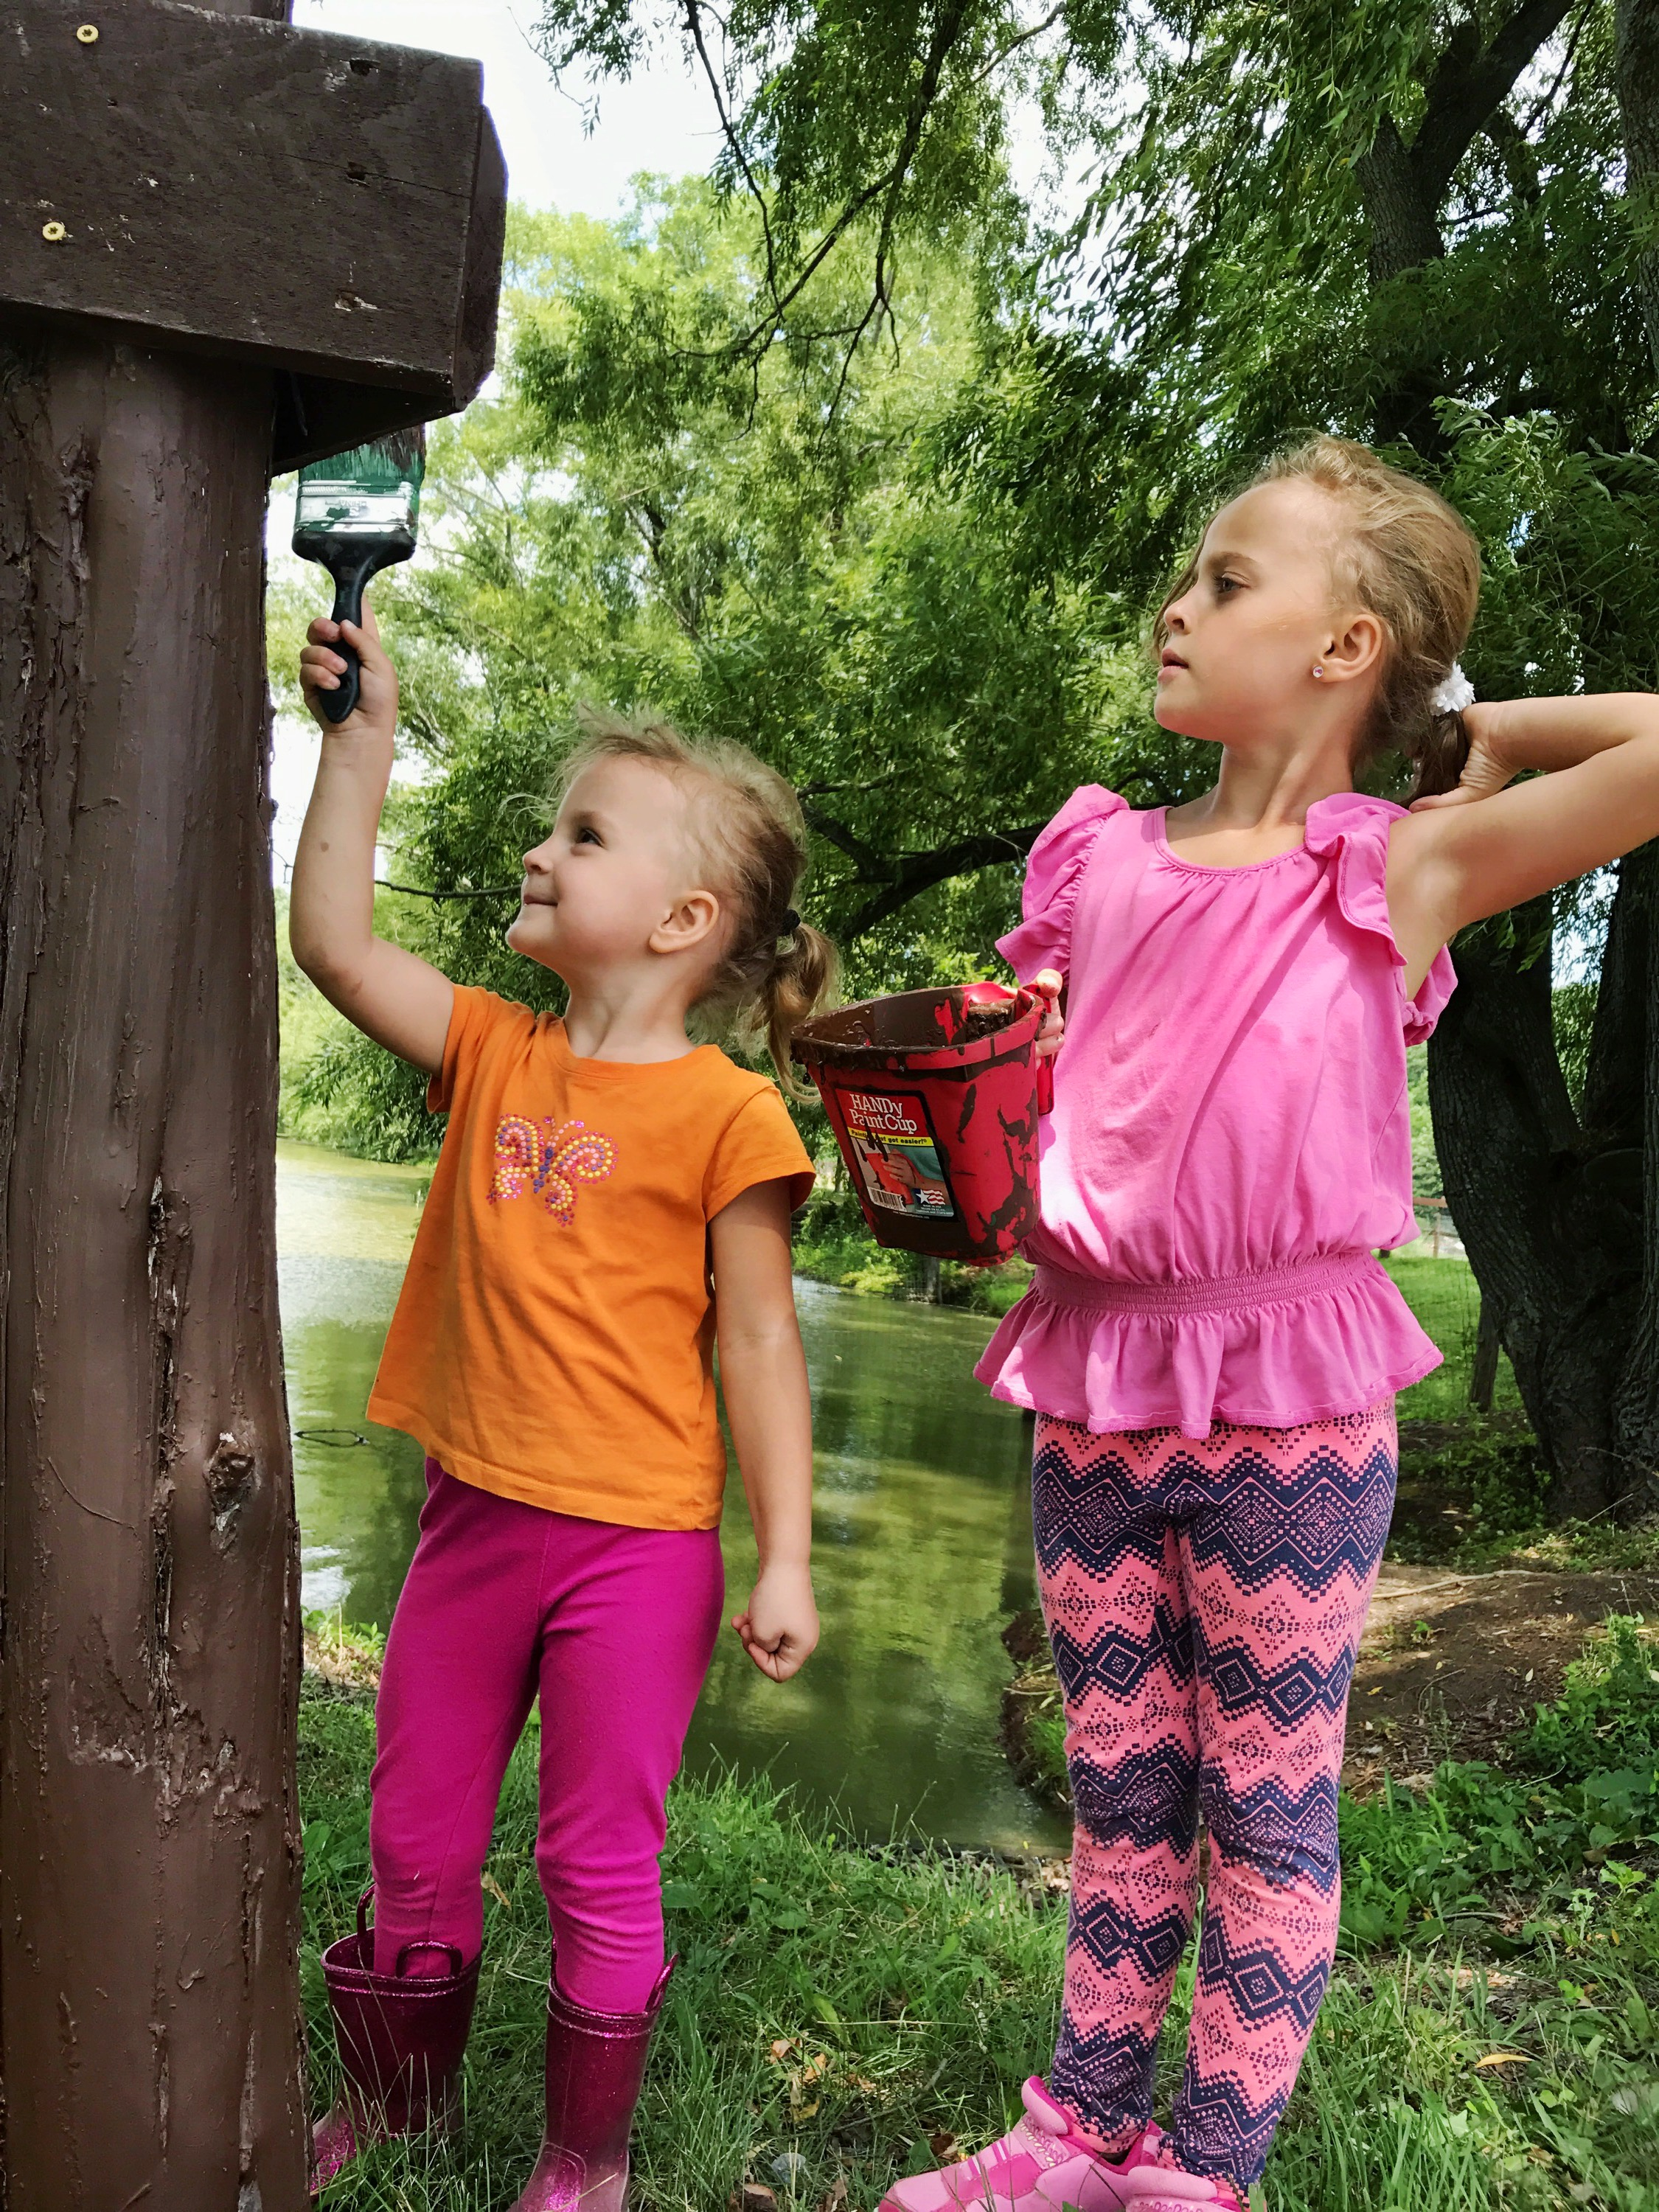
[(53, 232), (88, 34)]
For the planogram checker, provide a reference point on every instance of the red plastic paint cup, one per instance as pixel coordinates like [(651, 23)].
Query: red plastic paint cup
[(934, 1103)]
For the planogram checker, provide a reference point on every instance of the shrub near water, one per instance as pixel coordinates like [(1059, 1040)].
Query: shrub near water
[(855, 2009)]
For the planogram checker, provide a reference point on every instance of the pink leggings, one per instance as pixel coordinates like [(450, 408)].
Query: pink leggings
[(615, 1628), (1205, 1601)]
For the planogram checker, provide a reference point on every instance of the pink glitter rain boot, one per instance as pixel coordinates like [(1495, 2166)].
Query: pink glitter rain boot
[(401, 2038), (1041, 2165), (595, 2070)]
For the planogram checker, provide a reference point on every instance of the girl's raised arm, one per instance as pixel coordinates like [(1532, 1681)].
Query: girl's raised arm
[(1473, 852), (399, 999)]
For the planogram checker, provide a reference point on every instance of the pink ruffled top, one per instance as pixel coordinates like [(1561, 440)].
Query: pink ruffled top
[(1229, 1142)]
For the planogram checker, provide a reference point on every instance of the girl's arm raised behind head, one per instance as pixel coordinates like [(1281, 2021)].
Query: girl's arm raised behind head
[(1483, 848)]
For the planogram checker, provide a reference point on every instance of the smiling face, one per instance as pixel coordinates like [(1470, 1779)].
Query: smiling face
[(1261, 612), (616, 882)]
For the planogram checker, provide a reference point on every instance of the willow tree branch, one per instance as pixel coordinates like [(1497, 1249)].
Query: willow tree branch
[(414, 890), (909, 874)]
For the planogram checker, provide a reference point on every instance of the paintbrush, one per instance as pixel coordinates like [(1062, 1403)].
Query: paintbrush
[(356, 515)]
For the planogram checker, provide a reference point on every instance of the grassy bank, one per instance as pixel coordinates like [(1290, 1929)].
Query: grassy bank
[(832, 1245), (1490, 2037)]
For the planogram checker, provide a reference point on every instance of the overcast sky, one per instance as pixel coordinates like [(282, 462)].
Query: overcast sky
[(660, 120)]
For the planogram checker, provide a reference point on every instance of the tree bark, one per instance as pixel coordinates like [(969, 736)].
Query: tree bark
[(1622, 1108), (1549, 1210), (1483, 1369), (151, 2032), (1636, 73)]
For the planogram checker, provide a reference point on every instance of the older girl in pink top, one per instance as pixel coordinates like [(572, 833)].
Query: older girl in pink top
[(1211, 1346)]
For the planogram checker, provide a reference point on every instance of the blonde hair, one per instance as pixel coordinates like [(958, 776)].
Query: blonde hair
[(1409, 558), (774, 969)]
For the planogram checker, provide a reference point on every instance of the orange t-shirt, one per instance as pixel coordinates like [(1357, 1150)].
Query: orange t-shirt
[(554, 1337)]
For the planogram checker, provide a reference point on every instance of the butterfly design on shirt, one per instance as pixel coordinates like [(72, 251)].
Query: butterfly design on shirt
[(551, 1158)]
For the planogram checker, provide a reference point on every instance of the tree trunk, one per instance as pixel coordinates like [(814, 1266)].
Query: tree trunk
[(1543, 1206), (1636, 73), (150, 2033), (1622, 1111), (1483, 1369)]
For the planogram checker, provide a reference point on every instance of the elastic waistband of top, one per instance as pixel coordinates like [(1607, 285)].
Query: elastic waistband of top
[(1216, 1294)]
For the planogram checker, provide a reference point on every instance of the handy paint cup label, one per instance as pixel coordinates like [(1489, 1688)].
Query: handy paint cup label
[(898, 1155)]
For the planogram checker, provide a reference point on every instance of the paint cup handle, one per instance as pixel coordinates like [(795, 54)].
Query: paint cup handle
[(1045, 1075)]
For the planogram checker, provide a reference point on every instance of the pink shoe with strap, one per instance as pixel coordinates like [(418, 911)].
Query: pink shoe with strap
[(1044, 2164), (1158, 2185)]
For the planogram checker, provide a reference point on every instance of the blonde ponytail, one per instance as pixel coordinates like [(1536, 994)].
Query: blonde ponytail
[(803, 976)]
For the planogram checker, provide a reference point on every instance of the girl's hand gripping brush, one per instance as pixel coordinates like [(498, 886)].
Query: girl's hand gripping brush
[(356, 515)]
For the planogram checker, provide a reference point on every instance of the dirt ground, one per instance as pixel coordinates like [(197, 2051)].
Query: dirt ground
[(1450, 1665)]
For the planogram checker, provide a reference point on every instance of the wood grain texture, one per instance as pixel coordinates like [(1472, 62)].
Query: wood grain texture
[(318, 203), (149, 1865)]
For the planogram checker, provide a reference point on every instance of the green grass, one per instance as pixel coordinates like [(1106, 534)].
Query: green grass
[(847, 2005), (1446, 1300)]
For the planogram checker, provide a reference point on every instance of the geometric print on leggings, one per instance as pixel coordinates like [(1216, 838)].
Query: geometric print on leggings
[(1204, 1600)]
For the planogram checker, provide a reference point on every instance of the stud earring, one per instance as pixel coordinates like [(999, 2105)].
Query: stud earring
[(1319, 669)]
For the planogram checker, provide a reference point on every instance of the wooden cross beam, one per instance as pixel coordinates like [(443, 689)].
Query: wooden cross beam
[(223, 242), (327, 207)]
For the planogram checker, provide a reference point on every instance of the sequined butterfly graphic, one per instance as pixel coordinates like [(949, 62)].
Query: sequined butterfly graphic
[(551, 1158)]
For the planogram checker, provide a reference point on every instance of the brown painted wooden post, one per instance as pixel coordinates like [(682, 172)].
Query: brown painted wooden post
[(150, 2036)]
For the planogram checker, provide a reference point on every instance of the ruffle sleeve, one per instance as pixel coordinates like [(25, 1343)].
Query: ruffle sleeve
[(1053, 874), (1352, 829)]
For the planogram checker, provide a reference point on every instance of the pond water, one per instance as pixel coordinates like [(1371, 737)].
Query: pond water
[(923, 1526)]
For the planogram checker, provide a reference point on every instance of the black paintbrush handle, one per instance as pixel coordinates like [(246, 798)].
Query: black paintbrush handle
[(350, 578)]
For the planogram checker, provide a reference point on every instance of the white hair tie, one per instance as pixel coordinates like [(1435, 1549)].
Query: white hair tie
[(1453, 693)]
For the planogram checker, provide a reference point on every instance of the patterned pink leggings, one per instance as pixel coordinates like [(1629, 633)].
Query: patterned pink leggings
[(1205, 1601)]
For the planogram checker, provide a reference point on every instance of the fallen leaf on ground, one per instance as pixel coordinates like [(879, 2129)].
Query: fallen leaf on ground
[(943, 2145), (1502, 2058)]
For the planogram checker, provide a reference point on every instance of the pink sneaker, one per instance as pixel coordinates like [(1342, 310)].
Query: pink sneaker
[(1158, 2185), (1042, 2164)]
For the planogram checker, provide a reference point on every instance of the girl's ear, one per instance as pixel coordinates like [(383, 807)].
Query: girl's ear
[(689, 922), (1354, 650)]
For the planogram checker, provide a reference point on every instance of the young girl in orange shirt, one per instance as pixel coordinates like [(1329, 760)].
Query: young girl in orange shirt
[(608, 1201)]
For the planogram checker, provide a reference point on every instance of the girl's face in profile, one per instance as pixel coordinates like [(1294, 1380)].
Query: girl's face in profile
[(1242, 639), (617, 867)]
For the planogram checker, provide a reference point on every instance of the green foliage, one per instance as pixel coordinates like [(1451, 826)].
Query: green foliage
[(831, 1244), (756, 552), (1490, 1466), (1607, 1716), (1446, 1299), (1574, 1008)]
